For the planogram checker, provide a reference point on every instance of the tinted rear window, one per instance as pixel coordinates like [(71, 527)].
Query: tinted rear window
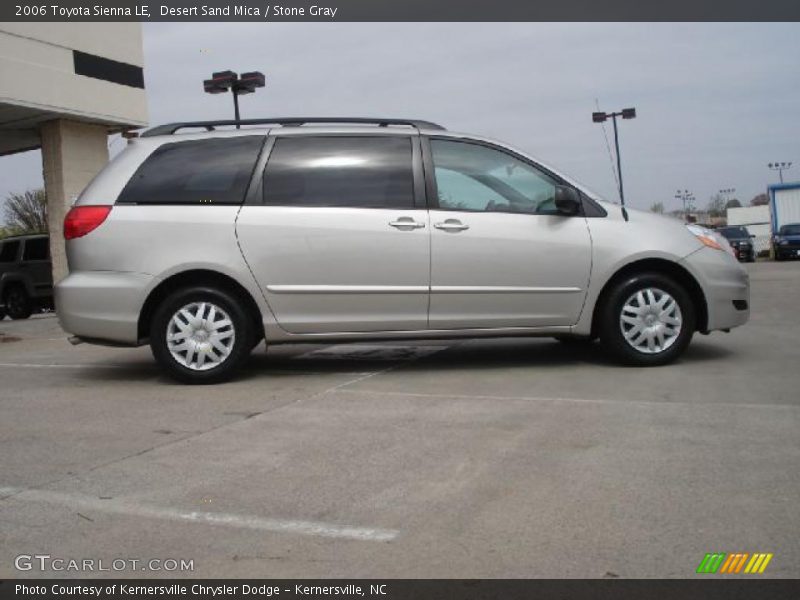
[(212, 171), (8, 251), (360, 172), (734, 232), (36, 249)]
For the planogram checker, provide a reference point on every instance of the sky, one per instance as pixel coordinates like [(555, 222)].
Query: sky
[(715, 102)]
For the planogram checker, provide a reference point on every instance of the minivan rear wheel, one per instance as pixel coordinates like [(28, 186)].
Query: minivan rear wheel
[(647, 319), (200, 335)]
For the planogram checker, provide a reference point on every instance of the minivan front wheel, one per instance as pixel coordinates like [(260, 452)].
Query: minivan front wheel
[(200, 335), (647, 320)]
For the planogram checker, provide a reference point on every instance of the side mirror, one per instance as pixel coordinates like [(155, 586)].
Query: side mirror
[(752, 236), (567, 200)]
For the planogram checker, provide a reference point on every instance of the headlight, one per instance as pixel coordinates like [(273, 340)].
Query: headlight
[(711, 239)]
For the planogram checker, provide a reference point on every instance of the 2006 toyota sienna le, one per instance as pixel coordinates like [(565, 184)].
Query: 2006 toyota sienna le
[(320, 230)]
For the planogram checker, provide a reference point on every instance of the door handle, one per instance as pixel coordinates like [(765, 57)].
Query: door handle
[(406, 223), (451, 225)]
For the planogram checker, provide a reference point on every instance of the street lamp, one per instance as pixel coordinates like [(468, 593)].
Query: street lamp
[(601, 117), (223, 81), (780, 167), (727, 194), (687, 198)]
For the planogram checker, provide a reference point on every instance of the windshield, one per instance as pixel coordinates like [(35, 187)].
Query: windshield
[(734, 232), (793, 229)]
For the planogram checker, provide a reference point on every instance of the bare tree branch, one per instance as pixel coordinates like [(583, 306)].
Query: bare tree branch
[(26, 212)]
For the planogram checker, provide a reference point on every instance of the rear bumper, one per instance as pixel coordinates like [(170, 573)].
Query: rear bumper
[(726, 286), (102, 306)]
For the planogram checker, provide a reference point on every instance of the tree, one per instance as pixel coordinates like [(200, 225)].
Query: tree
[(760, 200), (26, 212), (716, 206), (657, 207), (732, 203)]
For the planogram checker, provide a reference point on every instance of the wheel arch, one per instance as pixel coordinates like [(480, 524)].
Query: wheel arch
[(197, 277), (657, 265)]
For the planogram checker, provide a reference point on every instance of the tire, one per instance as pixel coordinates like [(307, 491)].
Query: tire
[(656, 289), (224, 346), (2, 314), (18, 304)]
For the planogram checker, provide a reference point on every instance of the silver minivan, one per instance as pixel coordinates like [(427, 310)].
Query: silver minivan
[(206, 242)]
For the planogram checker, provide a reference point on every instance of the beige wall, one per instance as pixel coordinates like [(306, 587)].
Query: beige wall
[(117, 41), (37, 71)]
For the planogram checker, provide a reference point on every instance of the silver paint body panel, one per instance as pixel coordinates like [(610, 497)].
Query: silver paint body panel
[(338, 274)]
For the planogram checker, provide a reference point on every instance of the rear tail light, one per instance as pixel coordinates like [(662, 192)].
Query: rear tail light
[(81, 220)]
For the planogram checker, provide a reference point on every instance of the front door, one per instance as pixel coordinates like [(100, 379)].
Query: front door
[(501, 255), (336, 241)]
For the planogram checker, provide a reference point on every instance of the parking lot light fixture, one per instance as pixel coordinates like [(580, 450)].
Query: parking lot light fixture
[(780, 167), (602, 117), (224, 81), (687, 198)]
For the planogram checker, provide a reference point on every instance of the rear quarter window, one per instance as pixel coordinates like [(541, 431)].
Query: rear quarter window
[(211, 171)]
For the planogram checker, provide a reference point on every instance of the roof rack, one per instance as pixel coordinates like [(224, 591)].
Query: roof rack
[(171, 128)]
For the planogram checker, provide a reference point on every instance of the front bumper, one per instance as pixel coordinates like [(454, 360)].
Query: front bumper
[(102, 306), (726, 286), (787, 250)]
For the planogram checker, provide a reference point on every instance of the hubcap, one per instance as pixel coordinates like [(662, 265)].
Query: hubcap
[(651, 320), (200, 336)]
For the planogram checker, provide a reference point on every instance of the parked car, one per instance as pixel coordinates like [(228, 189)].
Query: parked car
[(26, 280), (741, 241), (786, 243), (203, 244)]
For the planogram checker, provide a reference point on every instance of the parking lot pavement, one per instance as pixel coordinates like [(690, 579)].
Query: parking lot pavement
[(501, 458)]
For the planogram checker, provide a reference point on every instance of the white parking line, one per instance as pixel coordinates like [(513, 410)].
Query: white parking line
[(125, 507), (372, 392)]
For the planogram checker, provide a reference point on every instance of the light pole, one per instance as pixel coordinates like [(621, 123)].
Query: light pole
[(780, 167), (687, 198), (601, 117), (223, 81), (727, 194)]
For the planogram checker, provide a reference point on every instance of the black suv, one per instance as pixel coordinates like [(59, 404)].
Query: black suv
[(742, 242), (26, 279)]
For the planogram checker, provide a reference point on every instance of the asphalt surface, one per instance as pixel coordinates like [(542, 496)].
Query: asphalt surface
[(502, 458)]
